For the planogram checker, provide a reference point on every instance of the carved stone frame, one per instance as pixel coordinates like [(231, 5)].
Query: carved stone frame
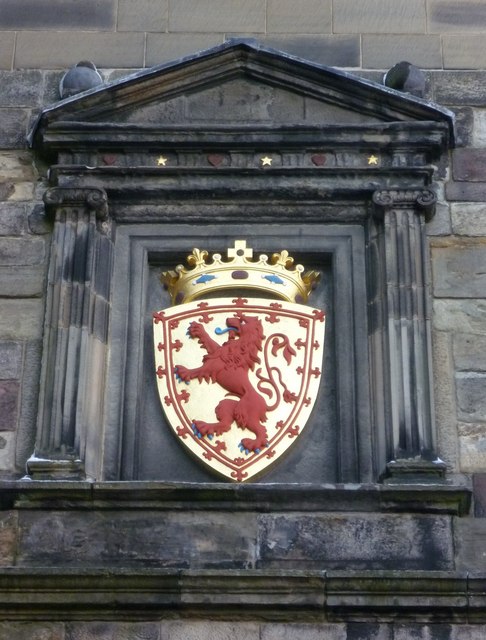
[(391, 201)]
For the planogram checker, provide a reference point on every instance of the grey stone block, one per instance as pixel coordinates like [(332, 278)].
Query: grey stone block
[(22, 251), (212, 630), (467, 316), (343, 541), (21, 319), (459, 88), (7, 44), (10, 360), (9, 404), (467, 192), (333, 50), (459, 271), (31, 630), (26, 430), (379, 16), (292, 631), (20, 88), (60, 50), (57, 14), (217, 15), (112, 631), (312, 16), (143, 15), (445, 398), (369, 631), (455, 15), (469, 536), (471, 396), (162, 47), (22, 282), (469, 219), (469, 352), (13, 128), (382, 52), (469, 164), (12, 218), (465, 121)]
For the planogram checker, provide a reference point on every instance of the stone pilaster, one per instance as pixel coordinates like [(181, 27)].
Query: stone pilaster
[(75, 333), (400, 334)]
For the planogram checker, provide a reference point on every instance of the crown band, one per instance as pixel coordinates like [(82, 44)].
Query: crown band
[(265, 277)]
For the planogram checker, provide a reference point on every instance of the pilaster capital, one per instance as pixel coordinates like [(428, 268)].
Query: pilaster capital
[(92, 199), (420, 200)]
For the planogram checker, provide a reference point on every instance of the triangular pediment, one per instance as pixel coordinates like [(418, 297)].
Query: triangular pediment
[(237, 83)]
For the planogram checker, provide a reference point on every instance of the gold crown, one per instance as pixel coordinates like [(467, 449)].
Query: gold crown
[(274, 276)]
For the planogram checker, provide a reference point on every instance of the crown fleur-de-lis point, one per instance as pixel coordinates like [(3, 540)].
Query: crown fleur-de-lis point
[(283, 258), (197, 257)]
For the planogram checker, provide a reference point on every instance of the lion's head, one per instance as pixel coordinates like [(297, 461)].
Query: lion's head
[(249, 332)]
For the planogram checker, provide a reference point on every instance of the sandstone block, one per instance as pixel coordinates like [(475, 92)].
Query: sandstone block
[(22, 251), (20, 88), (58, 14), (382, 51), (22, 282), (13, 128), (217, 15), (112, 631), (455, 15), (462, 52), (31, 631), (7, 44), (471, 398), (466, 316), (12, 219), (290, 631), (379, 16), (21, 319), (213, 630), (469, 219), (336, 50), (313, 16), (458, 88), (143, 15), (469, 352), (60, 50), (459, 270), (162, 47)]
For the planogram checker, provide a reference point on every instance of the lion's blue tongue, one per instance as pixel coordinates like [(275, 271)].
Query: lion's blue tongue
[(218, 331)]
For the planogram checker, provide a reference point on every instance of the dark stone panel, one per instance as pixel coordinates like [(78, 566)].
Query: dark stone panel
[(369, 631), (351, 542), (143, 539), (469, 165), (57, 14), (20, 88), (479, 494), (9, 404), (471, 396), (13, 128), (466, 191)]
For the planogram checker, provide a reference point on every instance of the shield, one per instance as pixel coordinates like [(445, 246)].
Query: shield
[(238, 378)]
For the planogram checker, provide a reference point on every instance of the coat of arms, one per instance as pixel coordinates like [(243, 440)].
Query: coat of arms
[(238, 357)]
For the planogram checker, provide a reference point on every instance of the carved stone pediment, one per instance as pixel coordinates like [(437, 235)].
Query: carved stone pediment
[(237, 83)]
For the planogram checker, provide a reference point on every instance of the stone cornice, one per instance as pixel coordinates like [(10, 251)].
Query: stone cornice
[(410, 498), (130, 594)]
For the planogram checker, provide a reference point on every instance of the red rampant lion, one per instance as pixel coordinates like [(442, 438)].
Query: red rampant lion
[(228, 365)]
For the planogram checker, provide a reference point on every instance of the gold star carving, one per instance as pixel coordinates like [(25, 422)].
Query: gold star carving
[(266, 161), (161, 161), (372, 159)]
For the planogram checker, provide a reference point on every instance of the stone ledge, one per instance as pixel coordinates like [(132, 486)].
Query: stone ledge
[(49, 594), (409, 498)]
